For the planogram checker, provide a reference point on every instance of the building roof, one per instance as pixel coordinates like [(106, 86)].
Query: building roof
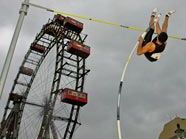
[(172, 128)]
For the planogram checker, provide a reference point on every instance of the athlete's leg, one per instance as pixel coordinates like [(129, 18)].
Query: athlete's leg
[(158, 28), (166, 21), (157, 25), (153, 15), (151, 23), (165, 24)]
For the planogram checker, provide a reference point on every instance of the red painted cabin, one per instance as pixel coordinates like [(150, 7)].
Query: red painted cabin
[(38, 48), (74, 97), (50, 29), (59, 18), (15, 97), (26, 71), (73, 24), (78, 49)]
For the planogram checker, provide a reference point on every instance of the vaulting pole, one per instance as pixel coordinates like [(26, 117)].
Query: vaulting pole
[(121, 85)]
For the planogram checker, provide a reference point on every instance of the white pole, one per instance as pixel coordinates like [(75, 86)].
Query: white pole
[(4, 73), (121, 85), (120, 90)]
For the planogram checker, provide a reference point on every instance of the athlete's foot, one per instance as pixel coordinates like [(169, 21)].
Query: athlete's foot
[(170, 13), (154, 12)]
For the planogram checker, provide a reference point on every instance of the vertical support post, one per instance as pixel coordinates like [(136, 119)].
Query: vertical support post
[(22, 13)]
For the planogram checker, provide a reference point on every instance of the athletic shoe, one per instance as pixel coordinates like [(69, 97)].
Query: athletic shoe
[(154, 12), (170, 13)]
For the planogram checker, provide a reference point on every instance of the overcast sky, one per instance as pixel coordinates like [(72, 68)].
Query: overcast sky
[(153, 93)]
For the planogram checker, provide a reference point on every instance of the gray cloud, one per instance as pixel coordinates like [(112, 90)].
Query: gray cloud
[(153, 92)]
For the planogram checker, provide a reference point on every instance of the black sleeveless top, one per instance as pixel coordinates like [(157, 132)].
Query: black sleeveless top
[(158, 49)]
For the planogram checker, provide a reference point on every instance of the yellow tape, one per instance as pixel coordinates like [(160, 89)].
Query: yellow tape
[(175, 37), (99, 20), (109, 23)]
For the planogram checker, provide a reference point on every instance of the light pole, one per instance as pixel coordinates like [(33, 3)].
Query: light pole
[(22, 13)]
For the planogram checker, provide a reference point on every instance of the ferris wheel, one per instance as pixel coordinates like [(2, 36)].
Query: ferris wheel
[(48, 91)]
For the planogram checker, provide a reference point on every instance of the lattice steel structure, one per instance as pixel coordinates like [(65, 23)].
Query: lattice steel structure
[(34, 108)]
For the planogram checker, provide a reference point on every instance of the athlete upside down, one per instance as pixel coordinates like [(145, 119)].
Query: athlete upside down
[(151, 48)]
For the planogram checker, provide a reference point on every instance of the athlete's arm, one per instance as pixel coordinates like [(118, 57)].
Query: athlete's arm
[(149, 47)]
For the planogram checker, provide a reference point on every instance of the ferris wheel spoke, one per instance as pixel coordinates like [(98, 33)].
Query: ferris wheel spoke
[(58, 131), (31, 118), (25, 129), (63, 109), (30, 126)]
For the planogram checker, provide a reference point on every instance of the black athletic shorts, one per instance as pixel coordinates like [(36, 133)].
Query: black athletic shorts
[(148, 36)]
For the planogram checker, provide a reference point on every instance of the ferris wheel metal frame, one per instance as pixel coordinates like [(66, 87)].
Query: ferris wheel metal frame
[(70, 65)]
